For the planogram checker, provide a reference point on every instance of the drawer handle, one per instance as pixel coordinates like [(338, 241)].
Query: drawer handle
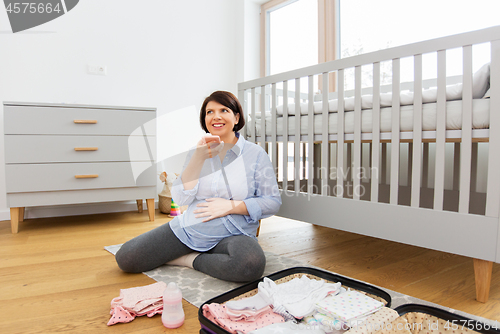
[(85, 148), (85, 121), (86, 176)]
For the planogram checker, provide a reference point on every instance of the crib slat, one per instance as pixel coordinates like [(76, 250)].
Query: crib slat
[(310, 135), (357, 134), (466, 145), (393, 199), (325, 160), (253, 122), (303, 173), (375, 147), (493, 184), (296, 155), (410, 164), (263, 116), (440, 131), (244, 105), (274, 156), (417, 132), (339, 189), (285, 135)]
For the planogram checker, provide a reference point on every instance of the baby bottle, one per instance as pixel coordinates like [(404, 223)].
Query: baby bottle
[(173, 314)]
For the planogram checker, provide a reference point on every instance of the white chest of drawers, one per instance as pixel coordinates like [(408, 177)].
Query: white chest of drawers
[(67, 154)]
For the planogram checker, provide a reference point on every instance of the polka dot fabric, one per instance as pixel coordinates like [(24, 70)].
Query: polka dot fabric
[(138, 301), (120, 315), (217, 314), (348, 305)]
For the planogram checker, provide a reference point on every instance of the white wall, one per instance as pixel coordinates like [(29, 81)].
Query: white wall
[(159, 53), (250, 62)]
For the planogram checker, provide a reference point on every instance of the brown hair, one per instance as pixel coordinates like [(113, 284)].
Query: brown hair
[(227, 99)]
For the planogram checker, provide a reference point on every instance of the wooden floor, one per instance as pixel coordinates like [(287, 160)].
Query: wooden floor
[(55, 275)]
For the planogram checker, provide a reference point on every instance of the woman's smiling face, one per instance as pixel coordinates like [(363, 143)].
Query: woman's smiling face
[(219, 119)]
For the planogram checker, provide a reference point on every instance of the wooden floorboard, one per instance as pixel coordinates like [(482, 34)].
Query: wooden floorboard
[(56, 277)]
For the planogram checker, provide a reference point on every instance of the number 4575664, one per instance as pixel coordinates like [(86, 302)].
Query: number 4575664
[(32, 7), (470, 324)]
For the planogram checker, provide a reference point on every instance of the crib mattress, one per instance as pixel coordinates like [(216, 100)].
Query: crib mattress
[(480, 119)]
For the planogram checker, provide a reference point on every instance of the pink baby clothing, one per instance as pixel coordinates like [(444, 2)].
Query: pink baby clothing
[(119, 314), (138, 301), (247, 315), (248, 320)]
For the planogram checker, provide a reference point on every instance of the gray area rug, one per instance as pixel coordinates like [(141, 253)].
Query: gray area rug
[(198, 287)]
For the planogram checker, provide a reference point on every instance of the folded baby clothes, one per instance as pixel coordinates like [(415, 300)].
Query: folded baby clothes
[(298, 296), (348, 306), (246, 315), (138, 301), (250, 303), (217, 314)]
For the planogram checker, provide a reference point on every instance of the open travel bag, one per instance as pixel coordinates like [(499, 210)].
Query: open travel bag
[(341, 305)]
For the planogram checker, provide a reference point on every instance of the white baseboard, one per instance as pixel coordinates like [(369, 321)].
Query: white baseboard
[(75, 209), (5, 214)]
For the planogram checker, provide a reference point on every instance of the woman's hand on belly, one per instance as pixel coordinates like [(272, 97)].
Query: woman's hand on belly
[(219, 207)]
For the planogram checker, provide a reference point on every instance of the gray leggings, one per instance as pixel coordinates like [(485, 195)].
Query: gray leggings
[(237, 258)]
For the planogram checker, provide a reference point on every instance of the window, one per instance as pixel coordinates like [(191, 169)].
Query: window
[(293, 36)]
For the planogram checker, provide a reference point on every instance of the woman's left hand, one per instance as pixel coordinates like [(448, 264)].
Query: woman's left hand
[(214, 208)]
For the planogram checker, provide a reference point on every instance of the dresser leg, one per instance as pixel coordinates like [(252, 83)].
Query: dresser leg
[(150, 202), (139, 205), (14, 219)]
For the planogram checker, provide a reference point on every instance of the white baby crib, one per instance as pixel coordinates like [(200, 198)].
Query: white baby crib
[(421, 158)]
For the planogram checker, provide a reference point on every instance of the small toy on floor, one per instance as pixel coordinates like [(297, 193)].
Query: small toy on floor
[(175, 210)]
